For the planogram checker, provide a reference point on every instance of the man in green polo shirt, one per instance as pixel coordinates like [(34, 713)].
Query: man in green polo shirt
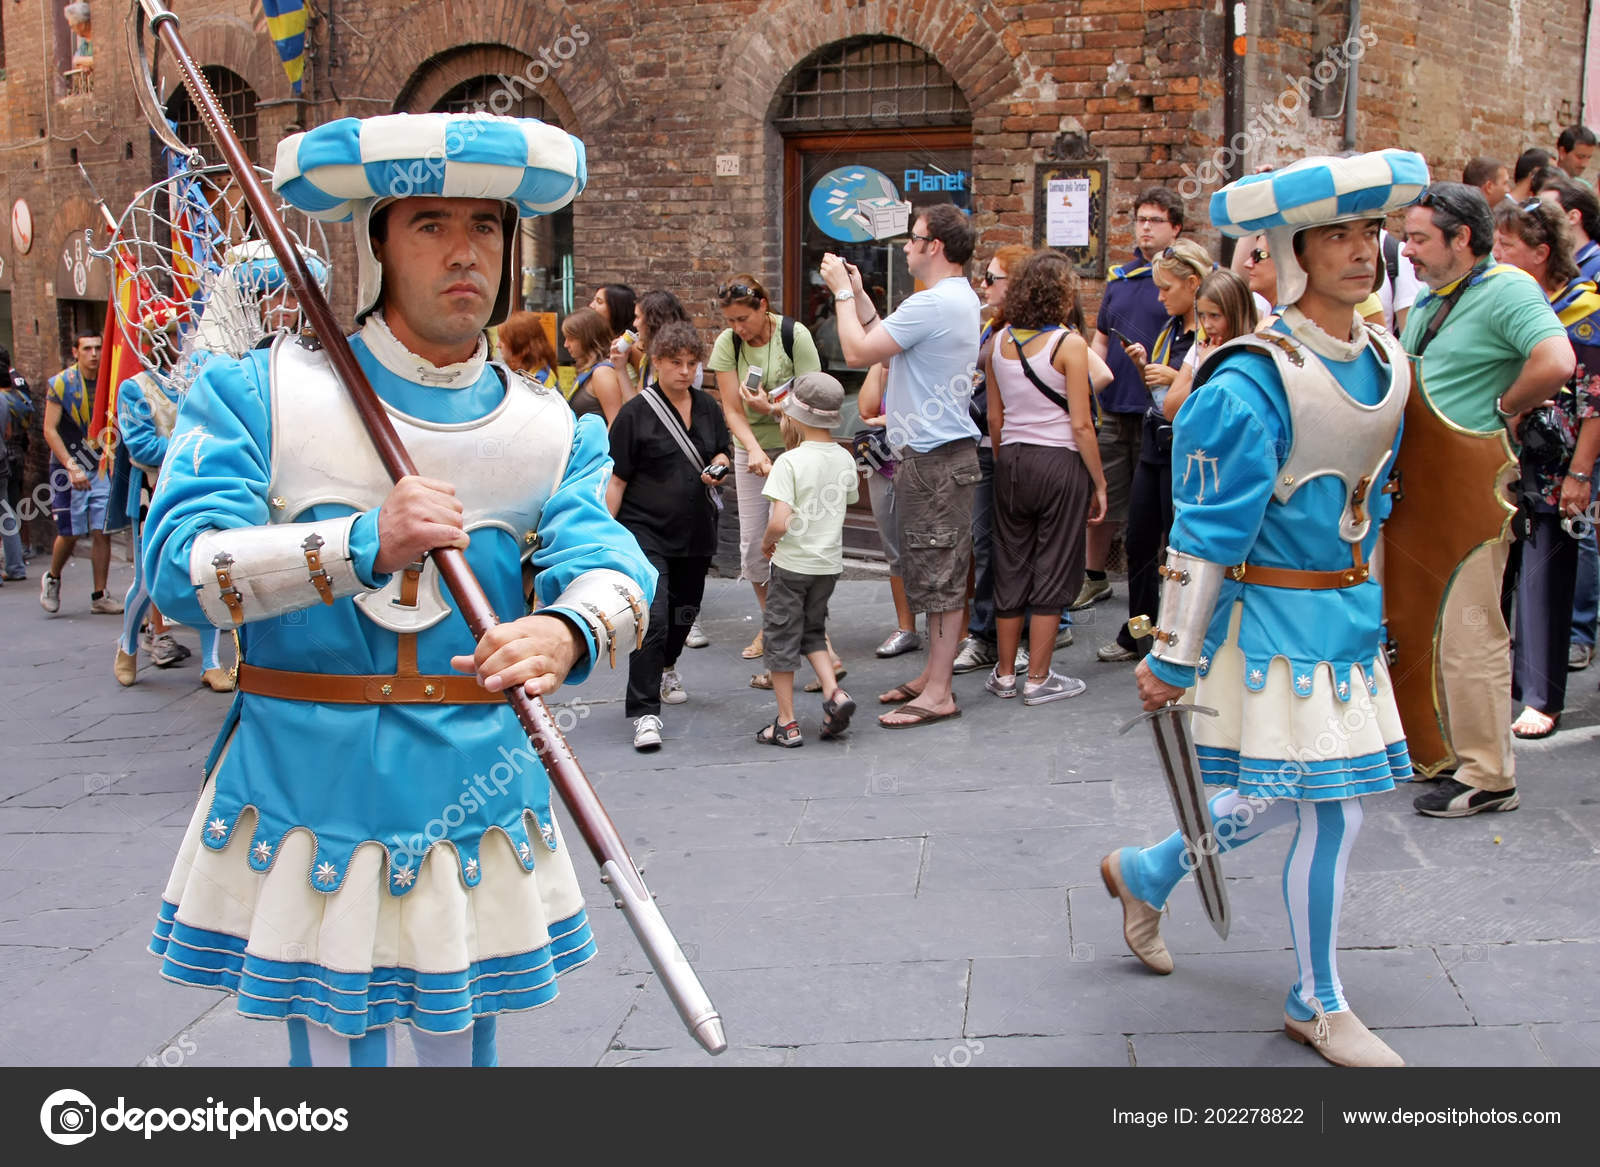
[(1497, 350)]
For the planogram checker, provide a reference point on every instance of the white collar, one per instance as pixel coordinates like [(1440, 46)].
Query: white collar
[(401, 361), (1311, 334)]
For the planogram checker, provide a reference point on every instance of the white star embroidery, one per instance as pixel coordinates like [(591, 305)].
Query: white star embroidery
[(1372, 687), (1344, 688), (1255, 676), (262, 852), (196, 437), (547, 832), (472, 869), (327, 873), (524, 852), (1205, 663), (217, 828), (1302, 682), (404, 876)]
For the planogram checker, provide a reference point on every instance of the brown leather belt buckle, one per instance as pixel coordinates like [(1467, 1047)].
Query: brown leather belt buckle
[(319, 577), (223, 563)]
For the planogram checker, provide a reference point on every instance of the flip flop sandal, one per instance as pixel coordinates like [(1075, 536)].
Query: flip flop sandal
[(922, 717), (754, 650), (899, 695), (761, 681), (837, 713), (1535, 735), (815, 686), (778, 734)]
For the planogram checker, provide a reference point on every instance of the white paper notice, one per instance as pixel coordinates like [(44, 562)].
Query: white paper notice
[(1067, 213)]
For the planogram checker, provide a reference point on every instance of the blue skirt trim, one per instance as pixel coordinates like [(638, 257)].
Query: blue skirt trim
[(1315, 781), (352, 1003)]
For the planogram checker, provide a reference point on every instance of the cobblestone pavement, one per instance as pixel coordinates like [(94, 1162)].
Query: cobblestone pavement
[(919, 898)]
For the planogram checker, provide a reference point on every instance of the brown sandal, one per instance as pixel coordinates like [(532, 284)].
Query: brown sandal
[(899, 695)]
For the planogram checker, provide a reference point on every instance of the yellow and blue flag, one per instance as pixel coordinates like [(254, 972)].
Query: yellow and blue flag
[(286, 24)]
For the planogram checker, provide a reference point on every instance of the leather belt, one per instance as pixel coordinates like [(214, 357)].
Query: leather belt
[(1285, 577), (405, 687), (347, 689)]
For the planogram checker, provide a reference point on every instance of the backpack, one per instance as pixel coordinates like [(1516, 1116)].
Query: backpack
[(785, 336)]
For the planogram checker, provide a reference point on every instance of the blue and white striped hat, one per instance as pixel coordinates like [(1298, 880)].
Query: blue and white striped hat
[(1314, 191), (349, 168), (327, 171)]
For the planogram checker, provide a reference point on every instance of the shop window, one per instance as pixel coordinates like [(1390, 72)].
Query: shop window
[(873, 129), (543, 259)]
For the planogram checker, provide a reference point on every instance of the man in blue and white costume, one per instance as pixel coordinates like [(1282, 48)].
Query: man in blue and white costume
[(249, 303), (374, 844), (1271, 610)]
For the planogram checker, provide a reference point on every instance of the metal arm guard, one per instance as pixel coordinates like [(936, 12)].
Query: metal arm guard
[(612, 605), (1189, 589), (253, 573)]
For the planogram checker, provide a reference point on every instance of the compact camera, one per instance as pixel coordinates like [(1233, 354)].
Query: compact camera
[(716, 472), (752, 378)]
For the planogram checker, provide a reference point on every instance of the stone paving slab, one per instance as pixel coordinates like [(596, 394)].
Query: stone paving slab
[(887, 899)]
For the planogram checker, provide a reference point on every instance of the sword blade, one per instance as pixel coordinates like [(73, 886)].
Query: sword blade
[(1180, 765)]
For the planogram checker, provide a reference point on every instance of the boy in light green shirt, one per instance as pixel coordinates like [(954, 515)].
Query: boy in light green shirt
[(809, 488)]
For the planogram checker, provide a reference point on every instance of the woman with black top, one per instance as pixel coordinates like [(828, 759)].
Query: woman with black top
[(598, 389), (661, 441), (1177, 273)]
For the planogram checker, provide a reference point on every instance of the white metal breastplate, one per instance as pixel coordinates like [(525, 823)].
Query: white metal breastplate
[(504, 465), (1330, 431)]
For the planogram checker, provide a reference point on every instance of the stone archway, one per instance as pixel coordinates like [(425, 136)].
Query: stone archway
[(972, 45), (523, 75), (581, 81)]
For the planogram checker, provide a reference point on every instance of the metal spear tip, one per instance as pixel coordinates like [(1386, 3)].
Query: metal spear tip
[(709, 1034)]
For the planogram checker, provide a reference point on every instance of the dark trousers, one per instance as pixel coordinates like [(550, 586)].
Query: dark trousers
[(1149, 524), (981, 624), (1542, 572), (680, 585)]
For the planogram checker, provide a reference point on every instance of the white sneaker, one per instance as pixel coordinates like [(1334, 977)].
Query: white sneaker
[(672, 688), (647, 732), (1053, 687), (696, 638), (49, 593)]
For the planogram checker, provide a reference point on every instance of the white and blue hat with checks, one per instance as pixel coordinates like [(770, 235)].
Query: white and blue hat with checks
[(347, 169), (1313, 192)]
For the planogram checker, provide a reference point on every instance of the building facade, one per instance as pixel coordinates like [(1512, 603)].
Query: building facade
[(730, 136)]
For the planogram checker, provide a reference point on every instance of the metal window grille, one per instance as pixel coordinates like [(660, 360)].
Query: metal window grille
[(238, 101), (474, 96), (870, 82)]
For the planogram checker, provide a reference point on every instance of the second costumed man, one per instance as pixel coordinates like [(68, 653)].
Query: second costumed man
[(1271, 611)]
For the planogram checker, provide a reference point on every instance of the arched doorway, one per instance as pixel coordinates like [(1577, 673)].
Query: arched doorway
[(872, 127), (543, 255)]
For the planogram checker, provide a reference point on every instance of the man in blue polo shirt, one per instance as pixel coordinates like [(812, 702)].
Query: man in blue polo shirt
[(1131, 311)]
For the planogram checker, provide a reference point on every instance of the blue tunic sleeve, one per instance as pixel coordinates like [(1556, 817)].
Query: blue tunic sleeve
[(137, 426), (216, 475), (578, 534), (1225, 454)]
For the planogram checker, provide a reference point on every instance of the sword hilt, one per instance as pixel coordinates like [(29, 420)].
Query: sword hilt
[(1172, 709)]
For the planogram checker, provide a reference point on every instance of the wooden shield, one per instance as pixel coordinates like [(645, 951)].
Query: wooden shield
[(1450, 504)]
